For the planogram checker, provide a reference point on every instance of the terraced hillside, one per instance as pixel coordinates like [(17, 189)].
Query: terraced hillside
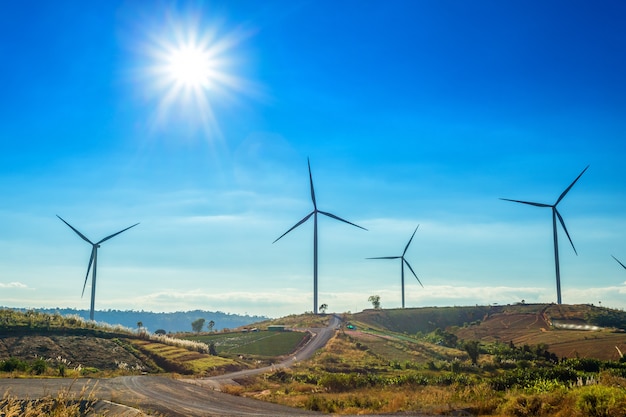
[(55, 345), (568, 330)]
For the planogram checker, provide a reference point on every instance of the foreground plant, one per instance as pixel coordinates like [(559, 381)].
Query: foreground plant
[(63, 404)]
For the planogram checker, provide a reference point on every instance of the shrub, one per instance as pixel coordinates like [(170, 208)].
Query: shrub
[(601, 401), (39, 366), (13, 364)]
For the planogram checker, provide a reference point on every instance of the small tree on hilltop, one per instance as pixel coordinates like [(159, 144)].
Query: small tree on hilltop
[(197, 325), (211, 325), (323, 308), (375, 300)]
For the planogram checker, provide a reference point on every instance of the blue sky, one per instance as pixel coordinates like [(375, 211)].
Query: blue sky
[(411, 112)]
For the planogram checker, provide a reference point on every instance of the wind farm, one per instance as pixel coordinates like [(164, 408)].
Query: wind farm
[(196, 118), (93, 261), (314, 213), (402, 262), (555, 215)]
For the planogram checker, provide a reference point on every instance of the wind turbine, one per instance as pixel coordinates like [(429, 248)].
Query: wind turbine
[(555, 214), (402, 262), (314, 214), (93, 259), (624, 266)]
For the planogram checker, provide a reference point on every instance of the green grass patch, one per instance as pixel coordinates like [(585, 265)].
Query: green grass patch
[(264, 343)]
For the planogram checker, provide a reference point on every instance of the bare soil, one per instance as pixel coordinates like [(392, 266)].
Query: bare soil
[(86, 351)]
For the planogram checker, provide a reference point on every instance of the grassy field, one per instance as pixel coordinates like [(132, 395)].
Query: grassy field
[(262, 343)]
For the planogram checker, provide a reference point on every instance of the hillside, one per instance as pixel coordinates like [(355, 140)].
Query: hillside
[(179, 321), (567, 330), (56, 345)]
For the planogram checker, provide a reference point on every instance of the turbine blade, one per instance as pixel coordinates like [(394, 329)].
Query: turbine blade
[(311, 180), (527, 202), (339, 218), (93, 250), (623, 266), (296, 225), (414, 274), (565, 228), (115, 234), (386, 257), (407, 245), (77, 232), (570, 186)]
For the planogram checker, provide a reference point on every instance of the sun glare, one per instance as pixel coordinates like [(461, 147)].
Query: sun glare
[(191, 69), (191, 66)]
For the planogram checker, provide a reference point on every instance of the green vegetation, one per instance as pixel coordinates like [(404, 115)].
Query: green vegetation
[(351, 376), (261, 343), (607, 318), (375, 300), (197, 325)]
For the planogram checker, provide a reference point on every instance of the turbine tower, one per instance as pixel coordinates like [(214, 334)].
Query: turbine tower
[(314, 213), (402, 262), (93, 259), (555, 215), (623, 266)]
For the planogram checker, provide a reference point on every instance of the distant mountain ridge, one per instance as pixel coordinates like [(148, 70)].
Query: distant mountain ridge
[(179, 321)]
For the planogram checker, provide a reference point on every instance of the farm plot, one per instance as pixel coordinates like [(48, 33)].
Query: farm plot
[(264, 343), (173, 358)]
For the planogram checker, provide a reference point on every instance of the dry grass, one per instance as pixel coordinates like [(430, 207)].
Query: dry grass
[(348, 377), (63, 404)]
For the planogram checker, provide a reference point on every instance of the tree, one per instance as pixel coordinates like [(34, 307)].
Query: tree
[(139, 325), (211, 325), (375, 300), (473, 350), (197, 325), (323, 308)]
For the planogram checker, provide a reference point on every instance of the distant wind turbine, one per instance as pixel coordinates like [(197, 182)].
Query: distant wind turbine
[(402, 262), (623, 266), (314, 214), (555, 214), (93, 259)]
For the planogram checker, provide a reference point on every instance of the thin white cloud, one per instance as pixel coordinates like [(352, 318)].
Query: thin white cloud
[(13, 285)]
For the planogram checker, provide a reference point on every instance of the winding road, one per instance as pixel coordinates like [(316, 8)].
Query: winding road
[(163, 395)]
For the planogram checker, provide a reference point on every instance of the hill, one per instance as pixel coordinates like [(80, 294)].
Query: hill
[(179, 321), (55, 345), (568, 330)]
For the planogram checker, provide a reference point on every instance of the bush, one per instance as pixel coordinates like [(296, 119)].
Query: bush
[(601, 401), (13, 364), (39, 366)]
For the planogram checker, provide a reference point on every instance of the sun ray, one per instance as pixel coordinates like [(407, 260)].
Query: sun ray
[(190, 68)]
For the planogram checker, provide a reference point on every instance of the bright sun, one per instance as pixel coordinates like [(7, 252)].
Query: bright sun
[(192, 67), (191, 70)]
